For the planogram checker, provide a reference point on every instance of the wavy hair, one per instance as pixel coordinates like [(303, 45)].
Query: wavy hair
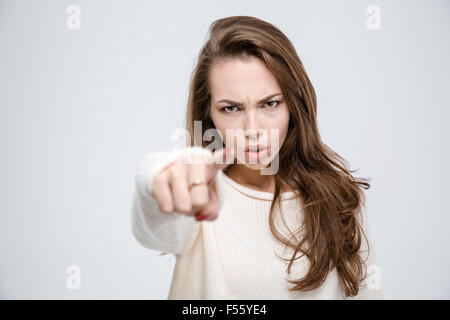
[(332, 199)]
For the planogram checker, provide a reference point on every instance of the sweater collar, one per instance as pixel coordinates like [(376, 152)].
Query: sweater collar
[(263, 195)]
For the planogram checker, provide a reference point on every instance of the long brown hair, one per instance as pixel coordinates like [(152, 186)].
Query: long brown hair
[(332, 198)]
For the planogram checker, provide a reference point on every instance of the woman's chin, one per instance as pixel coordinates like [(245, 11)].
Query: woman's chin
[(260, 164), (256, 166)]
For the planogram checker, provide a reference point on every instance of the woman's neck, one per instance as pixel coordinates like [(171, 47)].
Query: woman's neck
[(251, 178)]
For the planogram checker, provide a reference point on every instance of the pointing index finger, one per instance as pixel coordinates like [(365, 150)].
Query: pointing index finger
[(220, 159)]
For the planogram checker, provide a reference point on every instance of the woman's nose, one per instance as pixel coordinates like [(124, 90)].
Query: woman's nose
[(251, 127)]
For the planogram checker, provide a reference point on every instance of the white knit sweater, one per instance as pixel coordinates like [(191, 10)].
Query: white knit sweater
[(236, 255)]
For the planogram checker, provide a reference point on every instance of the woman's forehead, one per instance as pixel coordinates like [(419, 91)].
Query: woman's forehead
[(242, 82)]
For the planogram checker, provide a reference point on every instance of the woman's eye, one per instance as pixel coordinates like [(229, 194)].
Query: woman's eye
[(226, 109), (273, 106), (269, 104)]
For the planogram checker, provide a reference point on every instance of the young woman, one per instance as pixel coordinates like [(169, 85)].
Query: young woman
[(236, 233)]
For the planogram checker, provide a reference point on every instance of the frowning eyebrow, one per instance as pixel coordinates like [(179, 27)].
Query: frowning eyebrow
[(238, 104)]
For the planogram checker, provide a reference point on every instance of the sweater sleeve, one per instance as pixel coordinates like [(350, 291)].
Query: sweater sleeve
[(371, 288), (175, 232)]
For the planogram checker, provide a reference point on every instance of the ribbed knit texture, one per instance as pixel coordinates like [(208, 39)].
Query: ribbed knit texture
[(235, 256)]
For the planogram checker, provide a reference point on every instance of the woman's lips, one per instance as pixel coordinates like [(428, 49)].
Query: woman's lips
[(256, 155), (254, 147)]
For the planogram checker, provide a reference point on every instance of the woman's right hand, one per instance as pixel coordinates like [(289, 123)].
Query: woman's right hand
[(171, 185)]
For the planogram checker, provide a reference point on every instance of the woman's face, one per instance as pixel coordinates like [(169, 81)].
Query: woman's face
[(248, 108)]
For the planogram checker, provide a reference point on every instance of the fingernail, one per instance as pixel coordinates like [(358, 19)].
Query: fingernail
[(200, 217)]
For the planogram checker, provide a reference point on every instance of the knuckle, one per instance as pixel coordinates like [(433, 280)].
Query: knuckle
[(177, 166), (184, 207), (165, 208), (172, 168), (176, 171), (159, 179), (172, 171), (200, 201)]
